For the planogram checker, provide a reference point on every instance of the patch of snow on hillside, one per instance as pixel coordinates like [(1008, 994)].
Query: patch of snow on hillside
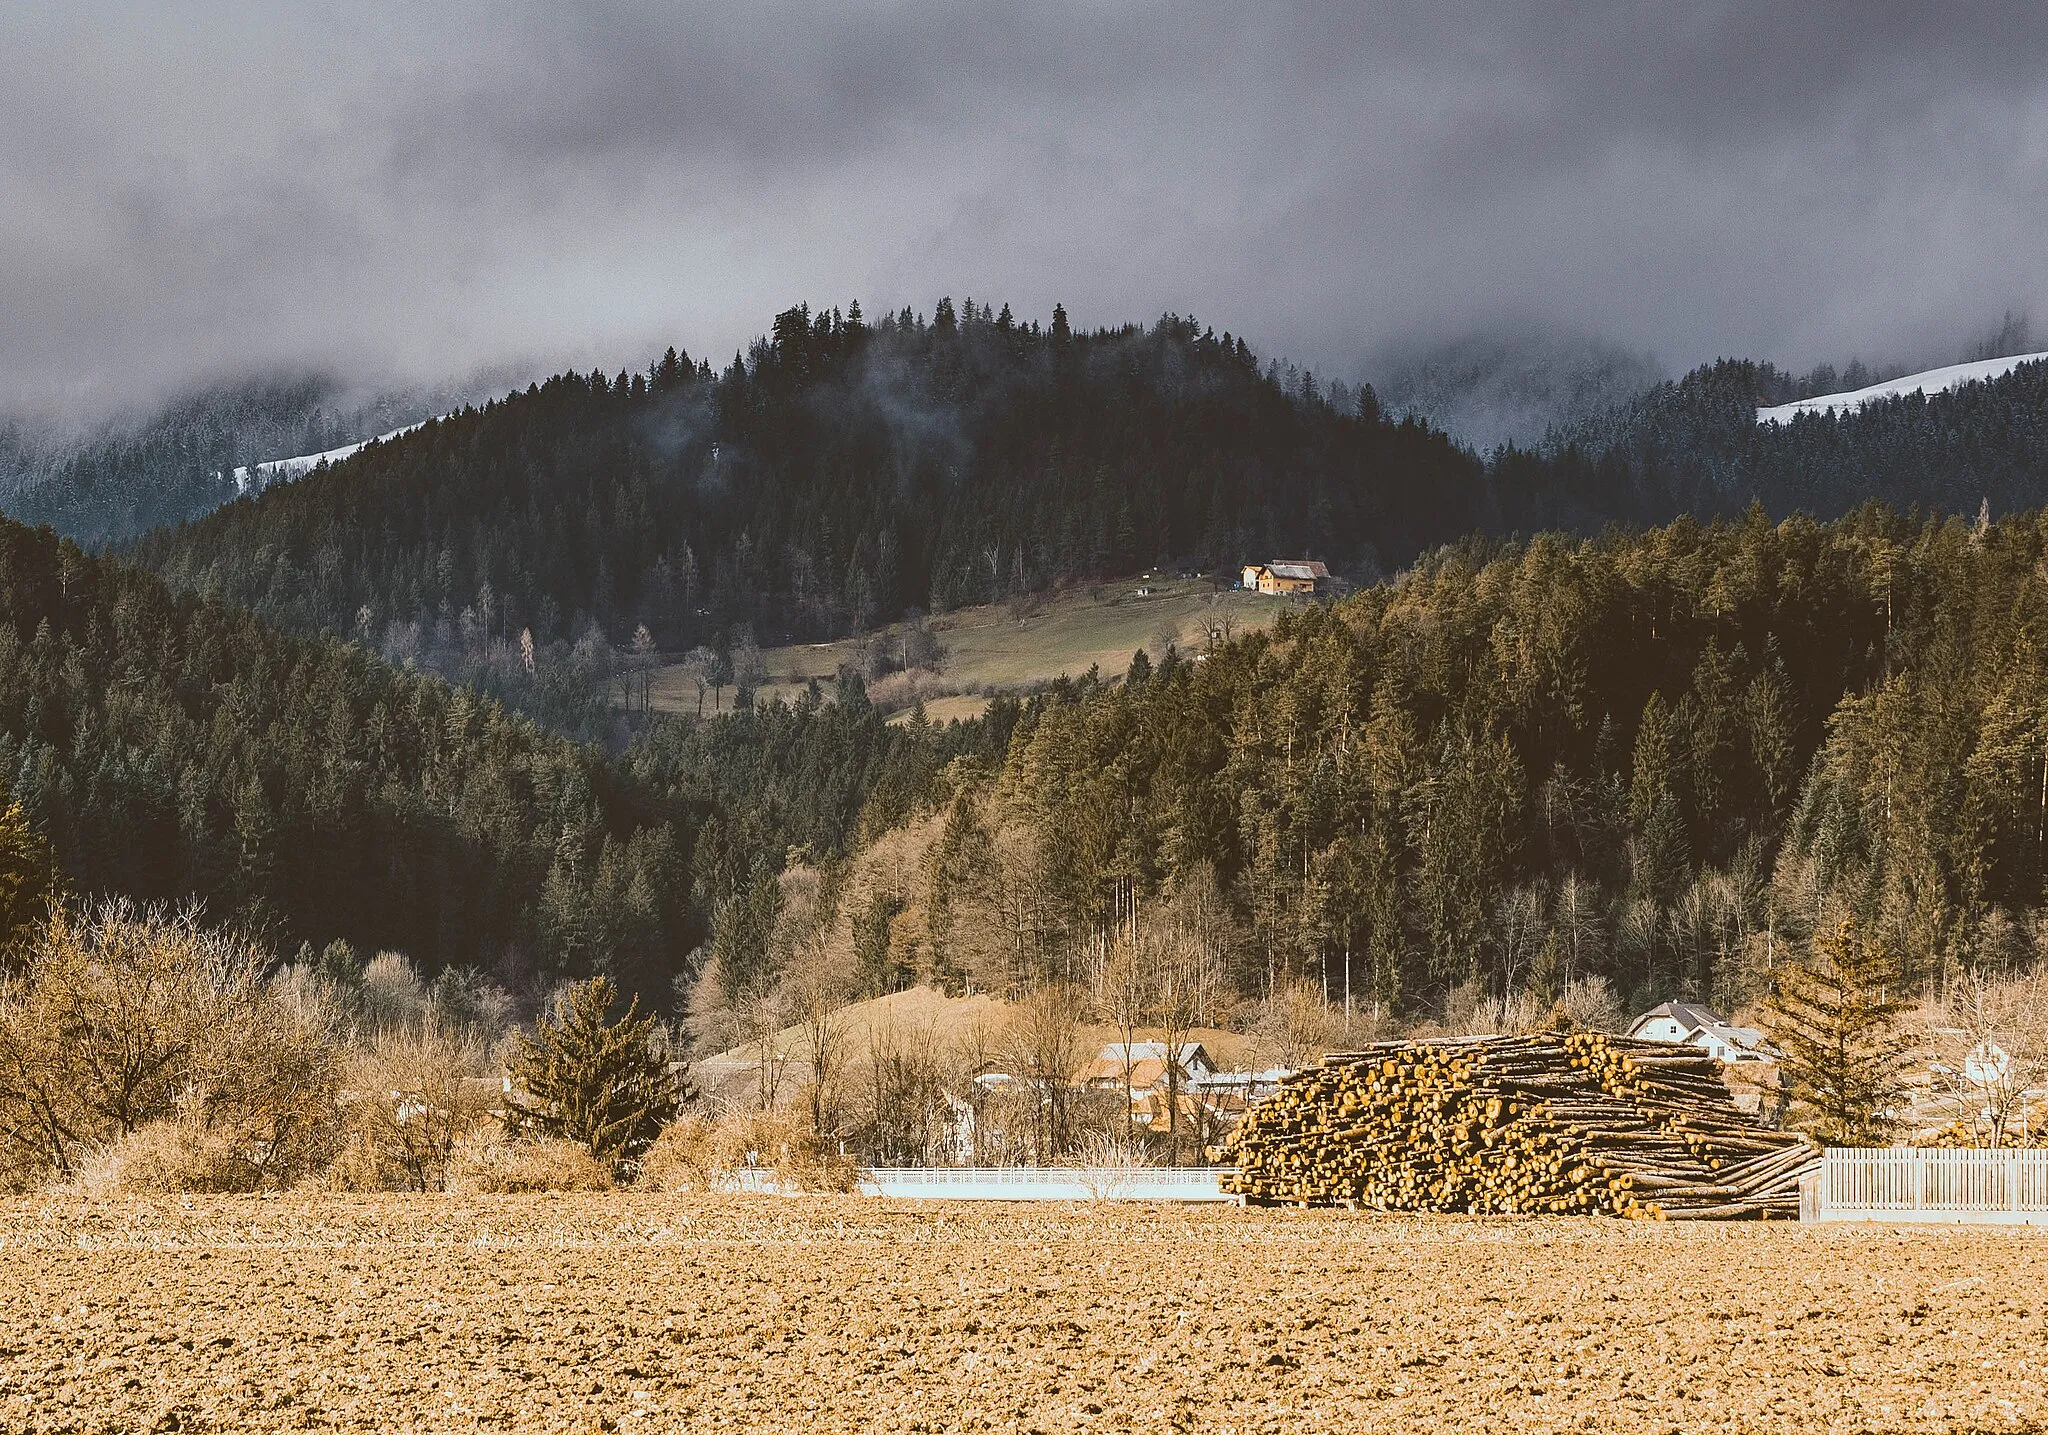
[(254, 477), (1932, 381)]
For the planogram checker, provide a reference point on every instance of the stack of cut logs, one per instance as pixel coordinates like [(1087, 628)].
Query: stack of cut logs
[(1563, 1123)]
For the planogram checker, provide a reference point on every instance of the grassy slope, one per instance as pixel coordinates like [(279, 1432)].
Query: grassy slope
[(1009, 647)]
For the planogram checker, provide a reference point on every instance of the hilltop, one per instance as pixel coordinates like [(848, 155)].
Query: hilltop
[(837, 476)]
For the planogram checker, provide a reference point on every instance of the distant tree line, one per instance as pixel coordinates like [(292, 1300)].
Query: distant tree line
[(1695, 447), (159, 746)]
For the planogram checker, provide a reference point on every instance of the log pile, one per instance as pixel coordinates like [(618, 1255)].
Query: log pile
[(1557, 1123)]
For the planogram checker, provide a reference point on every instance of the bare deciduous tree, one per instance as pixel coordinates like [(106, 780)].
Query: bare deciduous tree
[(120, 1018), (1121, 997), (906, 1101), (761, 1016), (417, 1093), (817, 985), (1187, 974), (700, 665), (1041, 1050), (1292, 1028), (1990, 1055)]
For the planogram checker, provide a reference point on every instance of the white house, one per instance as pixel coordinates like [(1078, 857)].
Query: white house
[(1686, 1024)]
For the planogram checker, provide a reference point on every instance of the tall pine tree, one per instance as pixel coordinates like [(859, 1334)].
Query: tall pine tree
[(1838, 1025)]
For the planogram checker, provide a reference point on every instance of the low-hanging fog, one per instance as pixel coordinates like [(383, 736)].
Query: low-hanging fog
[(412, 192)]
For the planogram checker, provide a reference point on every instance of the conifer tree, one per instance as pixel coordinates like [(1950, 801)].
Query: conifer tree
[(28, 877), (603, 1084), (1838, 1025)]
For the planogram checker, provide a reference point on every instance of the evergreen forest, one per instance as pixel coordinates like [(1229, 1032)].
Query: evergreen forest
[(1663, 760), (1744, 681)]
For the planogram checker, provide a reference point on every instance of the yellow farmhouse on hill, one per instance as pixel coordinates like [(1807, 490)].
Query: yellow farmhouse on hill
[(1303, 575)]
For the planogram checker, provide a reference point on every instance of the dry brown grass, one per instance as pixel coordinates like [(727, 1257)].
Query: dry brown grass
[(170, 1157), (693, 1155), (836, 1313), (487, 1164), (688, 1158)]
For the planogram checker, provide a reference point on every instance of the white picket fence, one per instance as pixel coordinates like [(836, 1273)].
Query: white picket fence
[(1903, 1184), (1046, 1183), (1021, 1183)]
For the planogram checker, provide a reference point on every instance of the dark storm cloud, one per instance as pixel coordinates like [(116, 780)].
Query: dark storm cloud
[(419, 189)]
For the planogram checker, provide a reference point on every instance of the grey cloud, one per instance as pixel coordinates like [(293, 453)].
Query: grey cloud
[(416, 190)]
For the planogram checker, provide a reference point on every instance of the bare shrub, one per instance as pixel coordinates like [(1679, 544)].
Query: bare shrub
[(906, 689), (1293, 1027), (1108, 1165), (413, 1096), (122, 1018), (1989, 1043), (784, 1144), (270, 1083), (902, 1110), (688, 1157), (170, 1157), (1591, 1003), (489, 1163), (392, 993)]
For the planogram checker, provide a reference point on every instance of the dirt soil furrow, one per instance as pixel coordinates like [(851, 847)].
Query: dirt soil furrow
[(842, 1314)]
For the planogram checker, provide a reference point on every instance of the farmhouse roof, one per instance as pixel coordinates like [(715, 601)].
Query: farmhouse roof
[(1687, 1014), (1695, 1021), (1148, 1063), (1305, 568)]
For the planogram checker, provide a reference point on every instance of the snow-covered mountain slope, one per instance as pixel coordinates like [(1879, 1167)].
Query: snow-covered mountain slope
[(255, 477), (1931, 381)]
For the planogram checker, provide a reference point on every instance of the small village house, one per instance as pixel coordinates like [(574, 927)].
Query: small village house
[(1148, 1073), (1306, 576), (1687, 1024)]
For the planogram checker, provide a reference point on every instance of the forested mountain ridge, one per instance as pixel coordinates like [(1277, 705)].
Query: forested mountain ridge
[(173, 747), (1695, 446), (109, 485), (1659, 760), (840, 474)]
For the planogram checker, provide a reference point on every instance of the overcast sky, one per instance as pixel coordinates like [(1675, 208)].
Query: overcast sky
[(189, 190)]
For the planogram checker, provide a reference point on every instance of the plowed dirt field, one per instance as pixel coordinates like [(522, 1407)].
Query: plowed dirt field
[(651, 1313)]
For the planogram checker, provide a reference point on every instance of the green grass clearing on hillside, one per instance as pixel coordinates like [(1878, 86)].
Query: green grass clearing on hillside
[(1009, 647)]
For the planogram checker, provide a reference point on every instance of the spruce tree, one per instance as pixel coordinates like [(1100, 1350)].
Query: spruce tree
[(1838, 1026), (28, 878), (603, 1084)]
